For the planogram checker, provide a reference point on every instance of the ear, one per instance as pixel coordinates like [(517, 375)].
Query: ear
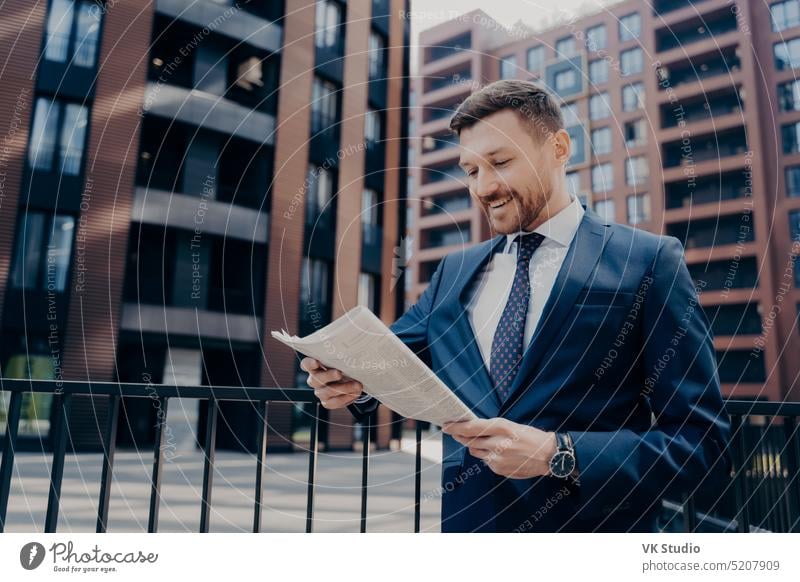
[(562, 147)]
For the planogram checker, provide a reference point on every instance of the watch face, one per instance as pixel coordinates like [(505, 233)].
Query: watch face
[(562, 464)]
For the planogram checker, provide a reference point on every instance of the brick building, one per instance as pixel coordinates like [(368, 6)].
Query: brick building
[(685, 120), (180, 177)]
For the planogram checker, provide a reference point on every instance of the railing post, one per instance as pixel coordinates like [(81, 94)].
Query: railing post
[(57, 472), (365, 442), (155, 479), (262, 451), (312, 467), (742, 475), (793, 465), (417, 475), (208, 466), (109, 449), (689, 514), (9, 447)]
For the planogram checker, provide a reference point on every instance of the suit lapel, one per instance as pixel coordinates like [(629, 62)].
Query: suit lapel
[(582, 256), (479, 390)]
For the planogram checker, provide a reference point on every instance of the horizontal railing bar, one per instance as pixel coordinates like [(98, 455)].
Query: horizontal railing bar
[(762, 408), (138, 390)]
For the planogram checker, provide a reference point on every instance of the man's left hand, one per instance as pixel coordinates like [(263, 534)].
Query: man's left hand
[(509, 449)]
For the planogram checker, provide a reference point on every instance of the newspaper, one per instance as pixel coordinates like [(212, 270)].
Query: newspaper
[(363, 348)]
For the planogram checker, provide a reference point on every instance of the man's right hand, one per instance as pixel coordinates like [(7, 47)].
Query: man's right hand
[(334, 389)]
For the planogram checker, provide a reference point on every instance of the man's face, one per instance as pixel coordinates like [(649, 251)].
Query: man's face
[(508, 171)]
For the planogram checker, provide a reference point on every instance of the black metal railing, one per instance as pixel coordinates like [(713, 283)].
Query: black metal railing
[(62, 401), (763, 493)]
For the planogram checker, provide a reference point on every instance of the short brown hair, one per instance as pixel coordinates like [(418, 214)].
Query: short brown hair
[(534, 105)]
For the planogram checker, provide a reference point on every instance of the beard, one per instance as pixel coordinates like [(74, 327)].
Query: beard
[(524, 208)]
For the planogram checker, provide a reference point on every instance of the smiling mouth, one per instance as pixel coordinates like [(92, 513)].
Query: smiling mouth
[(499, 203)]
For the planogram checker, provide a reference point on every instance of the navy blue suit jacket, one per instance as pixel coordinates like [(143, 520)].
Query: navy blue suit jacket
[(622, 359)]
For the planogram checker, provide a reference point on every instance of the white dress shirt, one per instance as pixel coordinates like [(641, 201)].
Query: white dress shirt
[(488, 293)]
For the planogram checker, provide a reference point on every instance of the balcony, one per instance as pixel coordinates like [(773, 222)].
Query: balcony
[(762, 493), (726, 274), (713, 232), (735, 319), (208, 111), (695, 29), (702, 107), (700, 148), (661, 7), (708, 189), (446, 204), (720, 61), (258, 26), (446, 48)]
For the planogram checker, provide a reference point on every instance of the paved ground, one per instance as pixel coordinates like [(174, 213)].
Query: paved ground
[(337, 506)]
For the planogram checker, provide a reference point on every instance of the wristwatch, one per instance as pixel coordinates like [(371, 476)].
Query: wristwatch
[(562, 463)]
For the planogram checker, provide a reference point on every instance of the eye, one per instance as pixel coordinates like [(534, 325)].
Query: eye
[(501, 162), (471, 173)]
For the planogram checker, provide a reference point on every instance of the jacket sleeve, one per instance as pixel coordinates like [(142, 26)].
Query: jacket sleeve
[(412, 329), (686, 447)]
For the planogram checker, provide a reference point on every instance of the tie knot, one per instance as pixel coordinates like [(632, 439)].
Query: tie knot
[(527, 244)]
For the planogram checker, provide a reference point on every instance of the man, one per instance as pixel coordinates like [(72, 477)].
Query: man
[(579, 344)]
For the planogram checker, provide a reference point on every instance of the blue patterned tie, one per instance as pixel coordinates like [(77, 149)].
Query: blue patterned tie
[(507, 343)]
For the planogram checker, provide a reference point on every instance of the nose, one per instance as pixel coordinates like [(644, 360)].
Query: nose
[(486, 186)]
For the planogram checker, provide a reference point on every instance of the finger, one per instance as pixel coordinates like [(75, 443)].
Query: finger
[(309, 364), (337, 401), (322, 378), (330, 391), (474, 428)]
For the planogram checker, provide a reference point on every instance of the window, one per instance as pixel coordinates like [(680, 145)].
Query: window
[(635, 133), (72, 32), (314, 283), (631, 61), (599, 107), (597, 37), (791, 137), (787, 54), (598, 71), (324, 105), (633, 97), (794, 230), (638, 208), (601, 141), (57, 137), (368, 291), (637, 170), (372, 126), (536, 59), (793, 181), (573, 182), (602, 178), (785, 15), (630, 27), (328, 24), (377, 56), (565, 47), (43, 251), (789, 95), (508, 67), (565, 80), (569, 112), (319, 194), (370, 218), (605, 209)]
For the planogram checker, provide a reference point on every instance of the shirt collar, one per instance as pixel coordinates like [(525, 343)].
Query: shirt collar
[(560, 228)]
